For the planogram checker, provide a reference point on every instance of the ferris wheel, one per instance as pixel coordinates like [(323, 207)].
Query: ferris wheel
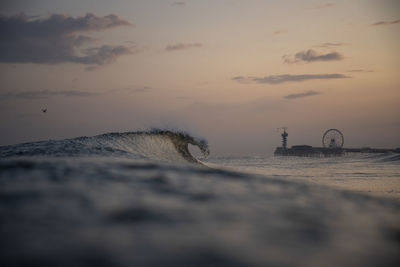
[(332, 138)]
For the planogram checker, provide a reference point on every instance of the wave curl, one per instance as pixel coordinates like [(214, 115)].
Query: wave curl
[(156, 144)]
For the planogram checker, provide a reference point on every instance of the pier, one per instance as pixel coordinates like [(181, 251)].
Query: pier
[(309, 151), (332, 142)]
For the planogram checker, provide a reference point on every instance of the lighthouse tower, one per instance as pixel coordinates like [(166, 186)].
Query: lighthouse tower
[(284, 138)]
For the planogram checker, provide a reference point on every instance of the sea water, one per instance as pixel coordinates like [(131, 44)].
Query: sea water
[(141, 199), (371, 174)]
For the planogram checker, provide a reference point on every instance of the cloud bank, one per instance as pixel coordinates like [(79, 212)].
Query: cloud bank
[(360, 70), (45, 94), (278, 79), (329, 45), (182, 46), (311, 56), (58, 39), (383, 23), (301, 95)]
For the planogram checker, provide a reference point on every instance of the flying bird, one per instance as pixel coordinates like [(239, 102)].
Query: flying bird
[(44, 110)]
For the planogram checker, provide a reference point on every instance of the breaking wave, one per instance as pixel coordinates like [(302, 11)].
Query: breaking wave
[(158, 145)]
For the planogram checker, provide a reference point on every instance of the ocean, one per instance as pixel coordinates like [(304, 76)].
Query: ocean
[(142, 199)]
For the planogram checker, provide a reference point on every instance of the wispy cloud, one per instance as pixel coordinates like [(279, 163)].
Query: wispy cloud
[(382, 23), (178, 3), (326, 5), (45, 94), (359, 70), (277, 79), (280, 31), (58, 39), (301, 95), (329, 45), (182, 46), (143, 89), (311, 56), (182, 97), (103, 55)]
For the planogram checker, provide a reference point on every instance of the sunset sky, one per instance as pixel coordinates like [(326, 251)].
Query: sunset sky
[(231, 71)]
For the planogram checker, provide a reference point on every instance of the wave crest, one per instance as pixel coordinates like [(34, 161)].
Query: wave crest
[(156, 144)]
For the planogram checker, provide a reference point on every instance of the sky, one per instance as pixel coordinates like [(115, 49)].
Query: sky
[(231, 71)]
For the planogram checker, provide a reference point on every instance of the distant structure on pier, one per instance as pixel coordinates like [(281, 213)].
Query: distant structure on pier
[(332, 142), (332, 146), (332, 139), (284, 137)]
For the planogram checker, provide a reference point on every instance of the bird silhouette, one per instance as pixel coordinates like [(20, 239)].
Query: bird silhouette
[(44, 110)]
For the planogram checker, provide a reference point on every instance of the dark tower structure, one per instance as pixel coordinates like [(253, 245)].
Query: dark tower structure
[(284, 138)]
